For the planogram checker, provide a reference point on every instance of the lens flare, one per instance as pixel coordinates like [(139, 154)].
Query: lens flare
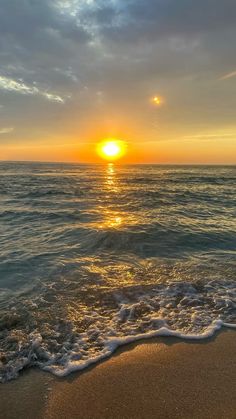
[(157, 100)]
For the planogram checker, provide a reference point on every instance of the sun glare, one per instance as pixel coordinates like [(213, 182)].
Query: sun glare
[(111, 149)]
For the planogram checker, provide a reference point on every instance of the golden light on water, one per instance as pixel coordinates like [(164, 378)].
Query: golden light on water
[(112, 218), (111, 149)]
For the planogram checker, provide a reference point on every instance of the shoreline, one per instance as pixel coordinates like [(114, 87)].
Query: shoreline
[(164, 377)]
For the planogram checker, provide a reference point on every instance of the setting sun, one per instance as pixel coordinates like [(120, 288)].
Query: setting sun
[(111, 149)]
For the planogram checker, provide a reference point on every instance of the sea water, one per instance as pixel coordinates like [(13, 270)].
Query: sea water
[(96, 256)]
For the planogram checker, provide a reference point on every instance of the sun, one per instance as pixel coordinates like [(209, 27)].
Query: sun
[(111, 149)]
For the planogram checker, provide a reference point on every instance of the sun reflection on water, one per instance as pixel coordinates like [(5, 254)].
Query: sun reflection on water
[(112, 218), (110, 179)]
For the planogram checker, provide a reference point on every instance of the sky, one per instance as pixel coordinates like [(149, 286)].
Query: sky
[(74, 72)]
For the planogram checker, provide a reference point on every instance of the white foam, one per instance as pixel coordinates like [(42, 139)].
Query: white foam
[(113, 343)]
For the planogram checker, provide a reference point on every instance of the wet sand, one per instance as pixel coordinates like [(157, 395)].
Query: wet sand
[(162, 378)]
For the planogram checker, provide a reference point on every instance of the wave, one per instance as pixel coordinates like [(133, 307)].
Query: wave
[(157, 241), (37, 357), (44, 332), (34, 215), (114, 343), (47, 193)]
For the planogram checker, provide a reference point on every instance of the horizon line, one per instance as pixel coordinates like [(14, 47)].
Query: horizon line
[(116, 163)]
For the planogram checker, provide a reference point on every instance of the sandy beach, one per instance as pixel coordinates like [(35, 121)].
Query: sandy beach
[(162, 378)]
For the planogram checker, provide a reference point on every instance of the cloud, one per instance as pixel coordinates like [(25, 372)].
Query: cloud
[(11, 85), (142, 20), (6, 130), (127, 50), (32, 21), (212, 137), (36, 37), (228, 75)]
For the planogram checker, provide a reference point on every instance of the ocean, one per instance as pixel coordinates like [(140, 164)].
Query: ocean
[(96, 256)]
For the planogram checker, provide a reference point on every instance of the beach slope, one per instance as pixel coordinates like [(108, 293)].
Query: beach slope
[(162, 378)]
